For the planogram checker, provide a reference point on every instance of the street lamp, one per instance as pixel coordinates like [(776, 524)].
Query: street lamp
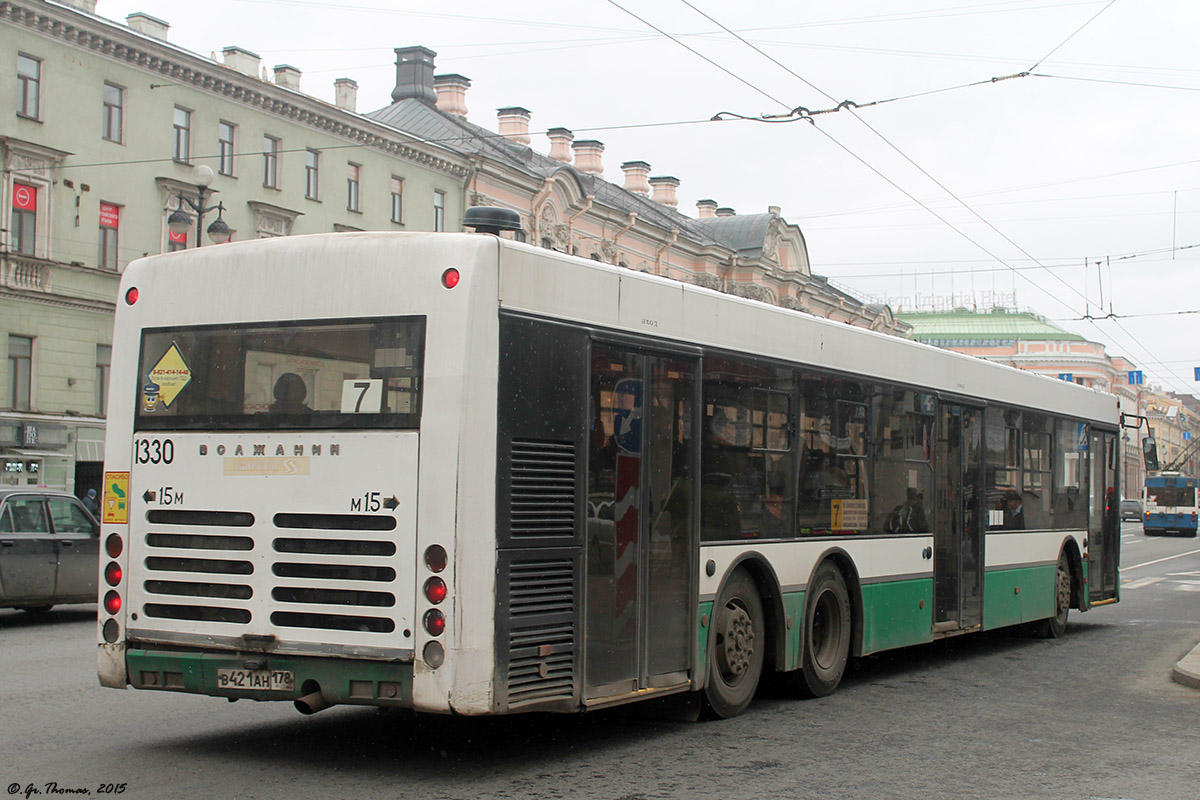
[(180, 222)]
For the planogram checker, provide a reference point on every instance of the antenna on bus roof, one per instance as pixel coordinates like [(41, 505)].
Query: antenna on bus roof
[(491, 219)]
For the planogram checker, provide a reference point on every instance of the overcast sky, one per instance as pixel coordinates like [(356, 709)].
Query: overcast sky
[(1024, 182)]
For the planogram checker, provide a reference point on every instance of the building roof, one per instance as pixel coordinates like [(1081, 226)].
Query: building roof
[(450, 130), (991, 326)]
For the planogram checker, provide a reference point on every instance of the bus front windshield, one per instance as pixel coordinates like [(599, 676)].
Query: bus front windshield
[(287, 375)]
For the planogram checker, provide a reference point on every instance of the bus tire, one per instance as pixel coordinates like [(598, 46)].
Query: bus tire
[(827, 630), (735, 660), (1056, 626)]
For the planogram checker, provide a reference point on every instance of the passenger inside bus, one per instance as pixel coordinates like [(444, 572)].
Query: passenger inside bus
[(290, 393)]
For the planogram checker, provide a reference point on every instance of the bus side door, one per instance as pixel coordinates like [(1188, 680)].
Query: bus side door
[(1104, 526)]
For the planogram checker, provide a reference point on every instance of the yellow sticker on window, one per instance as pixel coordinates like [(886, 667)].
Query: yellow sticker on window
[(170, 375), (116, 498)]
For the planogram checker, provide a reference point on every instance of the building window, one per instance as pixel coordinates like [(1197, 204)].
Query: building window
[(114, 109), (270, 162), (103, 367), (24, 218), (353, 177), (20, 371), (183, 134), (29, 86), (312, 163), (439, 211), (397, 200), (225, 148), (176, 241), (110, 223)]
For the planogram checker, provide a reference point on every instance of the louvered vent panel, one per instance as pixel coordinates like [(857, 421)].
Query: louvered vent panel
[(542, 606), (543, 489)]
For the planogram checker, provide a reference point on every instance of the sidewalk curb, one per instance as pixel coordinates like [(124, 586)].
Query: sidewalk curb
[(1187, 669)]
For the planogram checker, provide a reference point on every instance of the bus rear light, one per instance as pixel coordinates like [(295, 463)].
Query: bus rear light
[(435, 590), (435, 622), (434, 655), (113, 545), (450, 278), (436, 558), (112, 573), (111, 631), (112, 602), (131, 296)]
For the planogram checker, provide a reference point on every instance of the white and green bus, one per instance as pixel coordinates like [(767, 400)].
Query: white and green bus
[(460, 474)]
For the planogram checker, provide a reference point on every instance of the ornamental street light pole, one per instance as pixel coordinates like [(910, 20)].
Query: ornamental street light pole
[(180, 221)]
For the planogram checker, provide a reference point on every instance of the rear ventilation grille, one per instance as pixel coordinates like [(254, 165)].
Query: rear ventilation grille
[(543, 489), (542, 631)]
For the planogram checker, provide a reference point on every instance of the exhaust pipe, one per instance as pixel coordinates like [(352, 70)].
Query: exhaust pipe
[(312, 703)]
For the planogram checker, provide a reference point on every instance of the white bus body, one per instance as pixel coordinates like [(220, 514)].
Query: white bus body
[(318, 532)]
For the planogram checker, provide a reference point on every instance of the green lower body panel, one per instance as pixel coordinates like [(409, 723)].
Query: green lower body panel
[(1013, 596), (340, 680), (702, 634), (897, 614), (793, 609)]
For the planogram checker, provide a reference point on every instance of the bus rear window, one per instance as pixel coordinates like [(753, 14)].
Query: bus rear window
[(1171, 496), (295, 376)]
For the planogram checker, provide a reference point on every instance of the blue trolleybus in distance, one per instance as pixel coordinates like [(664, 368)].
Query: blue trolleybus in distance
[(1169, 504)]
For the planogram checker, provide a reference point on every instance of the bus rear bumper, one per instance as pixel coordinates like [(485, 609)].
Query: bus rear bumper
[(258, 676)]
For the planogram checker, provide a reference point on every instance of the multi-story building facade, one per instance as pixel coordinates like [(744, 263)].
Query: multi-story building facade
[(117, 143), (106, 130), (566, 204), (1175, 422)]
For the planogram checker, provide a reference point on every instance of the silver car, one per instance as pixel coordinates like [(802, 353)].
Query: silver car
[(49, 550)]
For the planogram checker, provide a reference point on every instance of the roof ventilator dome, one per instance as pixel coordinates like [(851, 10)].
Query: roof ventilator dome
[(491, 219)]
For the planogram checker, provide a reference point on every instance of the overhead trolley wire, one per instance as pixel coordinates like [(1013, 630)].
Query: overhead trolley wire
[(894, 147)]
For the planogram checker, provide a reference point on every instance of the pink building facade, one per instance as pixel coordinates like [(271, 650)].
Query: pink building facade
[(566, 204)]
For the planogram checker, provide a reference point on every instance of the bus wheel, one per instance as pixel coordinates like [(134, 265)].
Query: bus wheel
[(735, 661), (826, 633), (1056, 626)]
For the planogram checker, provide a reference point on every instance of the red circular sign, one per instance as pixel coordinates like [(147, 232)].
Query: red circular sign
[(24, 197)]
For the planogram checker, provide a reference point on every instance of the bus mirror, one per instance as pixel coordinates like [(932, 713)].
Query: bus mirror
[(1150, 453)]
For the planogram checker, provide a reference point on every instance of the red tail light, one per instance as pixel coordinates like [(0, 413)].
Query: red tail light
[(435, 622), (435, 590), (436, 558), (112, 573), (450, 278), (113, 545), (131, 296), (112, 602)]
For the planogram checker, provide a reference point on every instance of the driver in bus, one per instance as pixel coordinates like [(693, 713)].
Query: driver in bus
[(290, 392)]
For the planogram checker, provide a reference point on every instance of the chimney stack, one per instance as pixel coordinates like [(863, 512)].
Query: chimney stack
[(242, 60), (514, 124), (414, 75), (560, 144), (707, 209), (345, 94), (664, 190), (636, 174), (148, 25), (726, 212), (287, 77), (588, 154), (451, 93)]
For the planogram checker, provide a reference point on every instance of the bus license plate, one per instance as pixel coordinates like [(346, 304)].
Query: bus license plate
[(271, 680)]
